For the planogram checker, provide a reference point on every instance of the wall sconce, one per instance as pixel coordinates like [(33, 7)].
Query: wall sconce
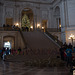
[(42, 27), (60, 25), (31, 27), (17, 24), (72, 38)]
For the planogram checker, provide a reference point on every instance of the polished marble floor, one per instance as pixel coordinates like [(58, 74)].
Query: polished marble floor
[(18, 68)]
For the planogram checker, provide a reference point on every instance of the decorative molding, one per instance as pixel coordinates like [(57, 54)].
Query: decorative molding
[(37, 2), (45, 15), (9, 12)]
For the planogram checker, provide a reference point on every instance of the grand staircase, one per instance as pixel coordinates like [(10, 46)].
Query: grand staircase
[(41, 50), (38, 40)]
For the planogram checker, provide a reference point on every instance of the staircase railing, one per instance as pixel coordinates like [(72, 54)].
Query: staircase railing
[(54, 38)]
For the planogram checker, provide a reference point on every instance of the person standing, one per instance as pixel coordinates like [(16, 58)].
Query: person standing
[(70, 46), (65, 45), (69, 56), (62, 52)]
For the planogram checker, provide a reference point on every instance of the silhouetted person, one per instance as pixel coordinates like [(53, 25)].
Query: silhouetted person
[(7, 51), (13, 26), (69, 56), (27, 29), (3, 53), (62, 52), (3, 25), (65, 45), (70, 46)]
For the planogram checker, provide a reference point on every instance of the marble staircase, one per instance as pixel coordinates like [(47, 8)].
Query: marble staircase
[(38, 40), (41, 51)]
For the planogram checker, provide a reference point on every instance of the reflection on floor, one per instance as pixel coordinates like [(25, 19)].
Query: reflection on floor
[(18, 68)]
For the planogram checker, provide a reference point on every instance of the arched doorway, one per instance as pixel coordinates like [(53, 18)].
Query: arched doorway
[(27, 20), (9, 42)]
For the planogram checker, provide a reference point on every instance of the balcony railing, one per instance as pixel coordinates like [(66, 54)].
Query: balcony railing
[(9, 29)]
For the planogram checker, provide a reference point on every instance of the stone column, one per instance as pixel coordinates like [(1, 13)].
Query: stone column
[(51, 17), (38, 16), (16, 14), (63, 20), (35, 22), (58, 22)]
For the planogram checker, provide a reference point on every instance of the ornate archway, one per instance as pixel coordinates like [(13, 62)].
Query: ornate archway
[(27, 18)]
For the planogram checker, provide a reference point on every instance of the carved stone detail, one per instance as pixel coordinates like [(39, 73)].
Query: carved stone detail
[(9, 12)]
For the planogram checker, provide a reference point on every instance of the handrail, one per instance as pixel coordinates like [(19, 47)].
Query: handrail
[(54, 38)]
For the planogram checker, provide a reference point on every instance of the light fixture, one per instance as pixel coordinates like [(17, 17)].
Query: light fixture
[(17, 24), (71, 36), (31, 27), (60, 25), (42, 27), (38, 25)]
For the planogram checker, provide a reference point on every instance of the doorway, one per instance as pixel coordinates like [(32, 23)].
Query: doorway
[(9, 42), (7, 45)]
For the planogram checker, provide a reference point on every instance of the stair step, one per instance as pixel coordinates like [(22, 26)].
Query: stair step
[(37, 40)]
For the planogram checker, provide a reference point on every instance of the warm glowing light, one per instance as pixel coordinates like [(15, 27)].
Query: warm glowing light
[(71, 36), (17, 24), (31, 27), (60, 25), (38, 25), (8, 41), (42, 27)]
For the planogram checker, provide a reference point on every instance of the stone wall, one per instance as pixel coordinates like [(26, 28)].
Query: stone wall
[(42, 11)]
